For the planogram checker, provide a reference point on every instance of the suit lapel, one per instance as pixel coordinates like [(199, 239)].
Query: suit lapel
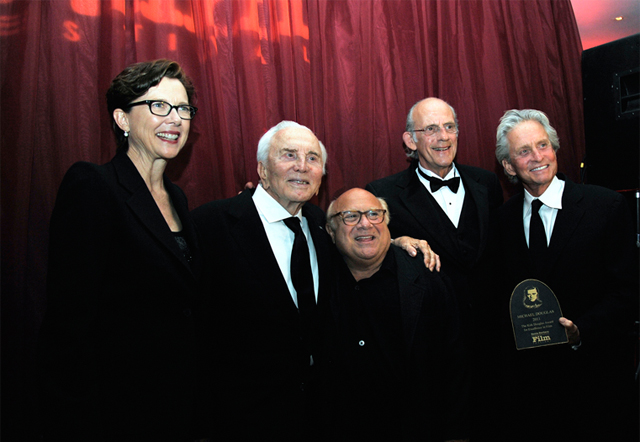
[(566, 223), (249, 235), (320, 240), (143, 206), (480, 196), (514, 240), (411, 296), (427, 212)]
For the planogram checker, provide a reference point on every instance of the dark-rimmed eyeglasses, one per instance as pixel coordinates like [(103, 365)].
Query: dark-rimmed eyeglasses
[(435, 129), (162, 108), (352, 217)]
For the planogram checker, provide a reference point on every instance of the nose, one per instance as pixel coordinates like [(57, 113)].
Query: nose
[(173, 116), (301, 163), (364, 221), (535, 154)]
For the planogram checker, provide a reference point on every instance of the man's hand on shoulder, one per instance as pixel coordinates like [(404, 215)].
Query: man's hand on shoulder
[(412, 245)]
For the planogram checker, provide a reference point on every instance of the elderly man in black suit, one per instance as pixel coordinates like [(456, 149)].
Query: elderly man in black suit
[(268, 261), (449, 205), (581, 390), (453, 207), (398, 370), (264, 318)]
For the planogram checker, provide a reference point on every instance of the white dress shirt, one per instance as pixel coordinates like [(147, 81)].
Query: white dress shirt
[(551, 202), (450, 202), (281, 237)]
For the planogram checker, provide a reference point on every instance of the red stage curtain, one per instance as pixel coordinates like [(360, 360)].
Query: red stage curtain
[(350, 70)]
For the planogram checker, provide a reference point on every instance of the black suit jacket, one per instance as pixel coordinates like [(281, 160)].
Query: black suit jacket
[(591, 266), (262, 373), (433, 370), (121, 341), (415, 213)]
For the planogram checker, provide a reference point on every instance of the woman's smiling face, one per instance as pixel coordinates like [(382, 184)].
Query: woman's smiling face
[(153, 136)]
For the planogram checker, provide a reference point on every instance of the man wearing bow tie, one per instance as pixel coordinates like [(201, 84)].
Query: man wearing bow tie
[(449, 205), (452, 206)]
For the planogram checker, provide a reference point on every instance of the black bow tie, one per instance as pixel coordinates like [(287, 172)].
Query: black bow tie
[(437, 183)]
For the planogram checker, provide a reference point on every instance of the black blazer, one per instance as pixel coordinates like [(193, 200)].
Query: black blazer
[(415, 213), (261, 369), (591, 265), (435, 371), (412, 209), (120, 347)]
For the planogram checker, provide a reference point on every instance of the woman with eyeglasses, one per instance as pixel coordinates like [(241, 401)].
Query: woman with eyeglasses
[(121, 348)]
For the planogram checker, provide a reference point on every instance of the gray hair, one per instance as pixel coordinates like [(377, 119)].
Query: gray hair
[(331, 219), (411, 125), (509, 121), (265, 142)]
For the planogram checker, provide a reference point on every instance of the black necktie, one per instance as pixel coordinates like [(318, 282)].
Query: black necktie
[(301, 268), (537, 236), (437, 183)]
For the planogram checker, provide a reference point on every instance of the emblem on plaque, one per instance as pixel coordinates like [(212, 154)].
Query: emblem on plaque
[(535, 312)]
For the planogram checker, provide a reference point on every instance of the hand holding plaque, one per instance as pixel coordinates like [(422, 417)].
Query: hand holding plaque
[(535, 314)]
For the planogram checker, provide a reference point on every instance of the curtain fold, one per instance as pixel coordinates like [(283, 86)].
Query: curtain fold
[(348, 69)]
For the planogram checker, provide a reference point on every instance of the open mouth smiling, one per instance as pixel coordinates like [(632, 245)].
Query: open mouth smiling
[(167, 136), (536, 169)]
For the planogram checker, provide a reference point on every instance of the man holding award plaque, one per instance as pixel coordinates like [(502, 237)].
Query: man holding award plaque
[(570, 273)]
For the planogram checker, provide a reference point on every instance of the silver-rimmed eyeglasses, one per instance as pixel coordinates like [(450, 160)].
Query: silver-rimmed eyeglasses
[(162, 108), (352, 217), (434, 129)]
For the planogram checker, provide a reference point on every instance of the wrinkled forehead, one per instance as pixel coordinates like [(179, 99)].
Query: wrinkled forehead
[(433, 112), (527, 133), (360, 200), (297, 139)]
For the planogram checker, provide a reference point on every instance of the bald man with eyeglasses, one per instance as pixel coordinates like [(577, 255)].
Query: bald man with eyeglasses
[(397, 368)]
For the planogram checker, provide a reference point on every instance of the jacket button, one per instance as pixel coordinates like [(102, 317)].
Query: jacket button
[(187, 312)]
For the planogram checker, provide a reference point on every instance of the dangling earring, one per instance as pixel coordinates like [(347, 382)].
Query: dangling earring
[(126, 133)]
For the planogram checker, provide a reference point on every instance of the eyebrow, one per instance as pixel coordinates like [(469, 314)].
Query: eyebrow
[(296, 149)]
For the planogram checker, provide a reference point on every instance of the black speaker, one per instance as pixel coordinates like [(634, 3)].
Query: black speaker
[(611, 88)]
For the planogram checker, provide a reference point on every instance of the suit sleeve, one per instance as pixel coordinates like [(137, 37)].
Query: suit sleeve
[(80, 238), (496, 196), (370, 188)]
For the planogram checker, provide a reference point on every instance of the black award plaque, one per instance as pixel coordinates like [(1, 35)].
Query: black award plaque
[(534, 316)]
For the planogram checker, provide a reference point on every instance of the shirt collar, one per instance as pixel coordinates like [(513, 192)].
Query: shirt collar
[(552, 197), (452, 173), (269, 208)]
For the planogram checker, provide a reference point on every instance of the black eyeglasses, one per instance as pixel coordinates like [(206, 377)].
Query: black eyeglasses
[(162, 108), (352, 217)]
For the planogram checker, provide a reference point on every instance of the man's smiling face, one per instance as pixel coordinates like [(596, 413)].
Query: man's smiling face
[(293, 170), (437, 151), (532, 157), (363, 245)]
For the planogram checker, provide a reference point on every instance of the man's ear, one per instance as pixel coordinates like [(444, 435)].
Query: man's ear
[(407, 137), (508, 168), (262, 173), (122, 119), (330, 231)]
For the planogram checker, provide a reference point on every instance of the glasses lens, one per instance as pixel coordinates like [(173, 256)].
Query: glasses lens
[(160, 108), (350, 218), (186, 112), (373, 215)]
